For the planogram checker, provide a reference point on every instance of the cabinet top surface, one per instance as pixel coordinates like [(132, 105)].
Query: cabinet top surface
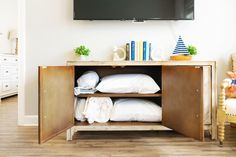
[(140, 63)]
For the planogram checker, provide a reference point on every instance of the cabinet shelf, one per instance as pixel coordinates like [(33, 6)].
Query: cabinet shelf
[(127, 95), (118, 126)]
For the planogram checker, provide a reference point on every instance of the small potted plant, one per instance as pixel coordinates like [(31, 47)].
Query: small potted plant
[(192, 50), (83, 52)]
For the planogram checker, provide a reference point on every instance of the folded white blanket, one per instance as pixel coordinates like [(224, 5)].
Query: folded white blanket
[(81, 90), (79, 109), (98, 109)]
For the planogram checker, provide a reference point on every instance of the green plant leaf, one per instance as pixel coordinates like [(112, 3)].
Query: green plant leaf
[(192, 50), (82, 50)]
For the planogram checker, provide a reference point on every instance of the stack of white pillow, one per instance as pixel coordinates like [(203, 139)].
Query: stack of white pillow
[(101, 109)]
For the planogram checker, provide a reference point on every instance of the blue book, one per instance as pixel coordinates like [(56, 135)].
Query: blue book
[(132, 50), (144, 51)]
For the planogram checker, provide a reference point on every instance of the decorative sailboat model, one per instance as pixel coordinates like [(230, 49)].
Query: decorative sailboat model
[(180, 52)]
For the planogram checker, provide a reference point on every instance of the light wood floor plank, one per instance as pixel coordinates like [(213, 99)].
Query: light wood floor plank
[(18, 141)]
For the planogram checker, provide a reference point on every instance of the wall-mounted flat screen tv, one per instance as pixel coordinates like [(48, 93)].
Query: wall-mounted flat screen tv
[(133, 9)]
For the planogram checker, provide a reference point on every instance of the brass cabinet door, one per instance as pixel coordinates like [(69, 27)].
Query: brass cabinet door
[(182, 100), (56, 101)]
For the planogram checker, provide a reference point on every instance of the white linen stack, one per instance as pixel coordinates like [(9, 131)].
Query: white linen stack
[(79, 109), (81, 90), (94, 109), (87, 83)]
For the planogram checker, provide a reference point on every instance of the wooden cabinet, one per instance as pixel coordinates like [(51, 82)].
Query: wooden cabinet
[(8, 75), (182, 97)]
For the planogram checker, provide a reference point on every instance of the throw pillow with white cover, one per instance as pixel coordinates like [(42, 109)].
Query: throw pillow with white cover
[(79, 109), (131, 109), (98, 109), (128, 83), (88, 80)]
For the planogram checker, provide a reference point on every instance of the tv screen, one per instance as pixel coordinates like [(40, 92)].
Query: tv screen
[(133, 9)]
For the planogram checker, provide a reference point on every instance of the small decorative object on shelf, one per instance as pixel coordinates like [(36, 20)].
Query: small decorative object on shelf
[(83, 52), (180, 52), (119, 54)]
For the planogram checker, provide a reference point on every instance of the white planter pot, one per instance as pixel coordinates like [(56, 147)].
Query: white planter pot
[(83, 58)]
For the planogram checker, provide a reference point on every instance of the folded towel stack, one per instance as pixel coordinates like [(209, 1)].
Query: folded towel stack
[(93, 109)]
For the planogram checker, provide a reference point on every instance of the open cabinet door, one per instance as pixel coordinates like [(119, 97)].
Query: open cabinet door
[(56, 101), (182, 100)]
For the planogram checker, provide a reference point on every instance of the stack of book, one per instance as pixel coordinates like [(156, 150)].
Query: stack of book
[(138, 51)]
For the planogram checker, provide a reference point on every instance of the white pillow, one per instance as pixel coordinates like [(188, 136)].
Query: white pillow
[(79, 109), (136, 110), (128, 83), (88, 80), (230, 106)]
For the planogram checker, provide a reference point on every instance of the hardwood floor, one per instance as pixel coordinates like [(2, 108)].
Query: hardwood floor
[(22, 141)]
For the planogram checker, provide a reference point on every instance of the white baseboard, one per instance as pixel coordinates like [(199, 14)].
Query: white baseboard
[(28, 120)]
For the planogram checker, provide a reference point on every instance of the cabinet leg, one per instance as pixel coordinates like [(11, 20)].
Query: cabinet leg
[(69, 134), (72, 134)]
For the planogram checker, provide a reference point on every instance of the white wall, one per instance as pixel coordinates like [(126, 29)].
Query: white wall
[(51, 35), (8, 22)]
